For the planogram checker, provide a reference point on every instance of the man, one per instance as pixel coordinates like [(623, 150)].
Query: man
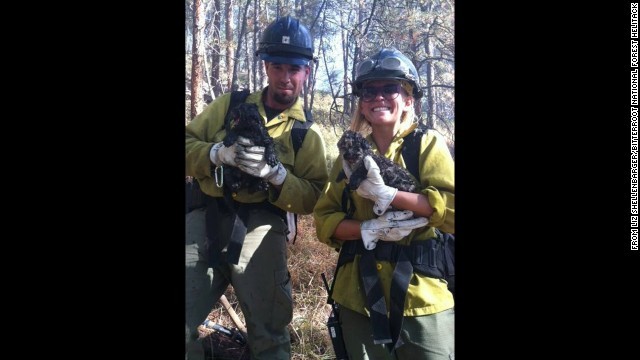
[(247, 232)]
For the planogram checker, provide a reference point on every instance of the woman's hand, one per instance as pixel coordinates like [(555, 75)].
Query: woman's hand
[(373, 187), (391, 226)]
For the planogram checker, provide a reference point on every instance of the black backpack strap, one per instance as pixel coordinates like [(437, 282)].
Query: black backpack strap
[(411, 154), (299, 130), (411, 150)]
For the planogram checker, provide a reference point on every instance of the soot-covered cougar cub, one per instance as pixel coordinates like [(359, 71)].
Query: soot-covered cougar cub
[(353, 149), (246, 121)]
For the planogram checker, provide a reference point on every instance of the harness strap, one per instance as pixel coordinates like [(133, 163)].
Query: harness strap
[(375, 299), (386, 330), (212, 213), (399, 286), (238, 233), (425, 257)]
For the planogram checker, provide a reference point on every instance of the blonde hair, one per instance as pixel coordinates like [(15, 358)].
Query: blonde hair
[(360, 124)]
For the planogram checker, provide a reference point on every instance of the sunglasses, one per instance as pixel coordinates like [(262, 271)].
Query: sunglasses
[(389, 92)]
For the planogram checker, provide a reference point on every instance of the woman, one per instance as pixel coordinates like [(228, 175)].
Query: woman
[(389, 308)]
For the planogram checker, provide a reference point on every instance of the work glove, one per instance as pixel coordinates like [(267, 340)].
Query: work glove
[(250, 159), (391, 226), (221, 154), (373, 187)]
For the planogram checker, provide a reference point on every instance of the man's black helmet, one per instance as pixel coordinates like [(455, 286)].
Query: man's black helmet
[(388, 63), (286, 41)]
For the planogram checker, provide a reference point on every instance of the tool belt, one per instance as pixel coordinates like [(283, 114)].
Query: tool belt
[(432, 258)]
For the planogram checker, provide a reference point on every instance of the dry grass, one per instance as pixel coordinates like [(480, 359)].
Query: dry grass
[(308, 259)]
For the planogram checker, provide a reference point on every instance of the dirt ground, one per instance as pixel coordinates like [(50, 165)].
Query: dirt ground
[(219, 346)]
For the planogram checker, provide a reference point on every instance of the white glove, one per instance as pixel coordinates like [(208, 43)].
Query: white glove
[(373, 187), (250, 159), (391, 226), (273, 174), (247, 152), (220, 154)]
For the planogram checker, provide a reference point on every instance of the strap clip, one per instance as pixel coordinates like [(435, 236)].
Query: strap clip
[(219, 178)]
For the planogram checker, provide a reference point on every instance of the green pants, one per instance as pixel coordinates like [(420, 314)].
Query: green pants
[(428, 337), (260, 279), (199, 300)]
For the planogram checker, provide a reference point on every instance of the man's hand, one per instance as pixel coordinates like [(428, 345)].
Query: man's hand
[(250, 159), (391, 226), (373, 187), (221, 154)]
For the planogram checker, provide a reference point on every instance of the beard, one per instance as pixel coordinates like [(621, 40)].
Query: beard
[(284, 99)]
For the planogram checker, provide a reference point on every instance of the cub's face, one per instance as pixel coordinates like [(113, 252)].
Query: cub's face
[(245, 117), (353, 148)]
